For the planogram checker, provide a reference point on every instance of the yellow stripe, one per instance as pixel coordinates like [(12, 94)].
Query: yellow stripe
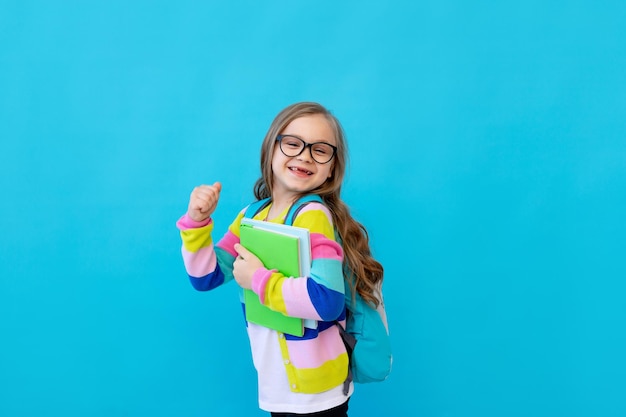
[(274, 294), (289, 368), (327, 376), (234, 226), (196, 239), (314, 380), (317, 222)]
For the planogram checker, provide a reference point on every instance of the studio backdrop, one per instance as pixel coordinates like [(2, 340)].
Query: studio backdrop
[(487, 161)]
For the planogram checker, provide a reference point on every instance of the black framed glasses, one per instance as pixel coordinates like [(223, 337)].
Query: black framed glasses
[(291, 146)]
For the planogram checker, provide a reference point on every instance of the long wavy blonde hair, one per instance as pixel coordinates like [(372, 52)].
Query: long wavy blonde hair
[(367, 273)]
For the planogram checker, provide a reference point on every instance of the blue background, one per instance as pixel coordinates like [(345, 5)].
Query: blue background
[(488, 161)]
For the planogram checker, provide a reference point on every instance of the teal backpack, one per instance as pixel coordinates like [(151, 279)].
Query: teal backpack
[(366, 335)]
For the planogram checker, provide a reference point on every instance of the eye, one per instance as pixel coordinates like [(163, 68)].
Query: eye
[(322, 149), (292, 142)]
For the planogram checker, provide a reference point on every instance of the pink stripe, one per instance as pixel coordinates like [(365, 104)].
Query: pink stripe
[(228, 242), (259, 281), (317, 207), (186, 222), (200, 263), (297, 300), (312, 353), (322, 247)]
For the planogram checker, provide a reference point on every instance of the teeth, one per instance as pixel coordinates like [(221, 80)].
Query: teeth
[(303, 170)]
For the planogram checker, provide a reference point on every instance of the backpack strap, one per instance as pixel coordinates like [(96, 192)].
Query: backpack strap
[(299, 205), (349, 341), (254, 208)]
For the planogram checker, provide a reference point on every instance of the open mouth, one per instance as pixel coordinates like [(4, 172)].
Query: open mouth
[(301, 170)]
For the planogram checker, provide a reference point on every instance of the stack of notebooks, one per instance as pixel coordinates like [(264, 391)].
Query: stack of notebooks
[(286, 249)]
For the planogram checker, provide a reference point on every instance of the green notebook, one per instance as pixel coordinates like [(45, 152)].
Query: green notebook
[(280, 247)]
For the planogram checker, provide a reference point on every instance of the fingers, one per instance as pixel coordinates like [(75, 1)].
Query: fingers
[(203, 201), (245, 265), (242, 252), (248, 257), (207, 193)]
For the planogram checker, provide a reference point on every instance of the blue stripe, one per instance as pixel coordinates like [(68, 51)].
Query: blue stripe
[(328, 303), (209, 281), (312, 333)]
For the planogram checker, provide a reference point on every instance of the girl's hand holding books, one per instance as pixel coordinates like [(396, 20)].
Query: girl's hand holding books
[(246, 264)]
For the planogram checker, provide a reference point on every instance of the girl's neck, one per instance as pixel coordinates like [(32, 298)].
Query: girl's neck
[(278, 206), (280, 202)]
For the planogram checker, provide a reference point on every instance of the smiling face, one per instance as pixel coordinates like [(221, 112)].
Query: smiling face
[(299, 174)]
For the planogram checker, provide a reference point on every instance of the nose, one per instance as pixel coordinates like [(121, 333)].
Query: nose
[(306, 156)]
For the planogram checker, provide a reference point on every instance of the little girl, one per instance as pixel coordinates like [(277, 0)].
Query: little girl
[(304, 152)]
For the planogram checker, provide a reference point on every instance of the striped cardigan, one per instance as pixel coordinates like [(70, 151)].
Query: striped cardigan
[(313, 363)]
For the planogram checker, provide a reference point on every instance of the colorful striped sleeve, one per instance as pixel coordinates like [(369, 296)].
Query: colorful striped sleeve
[(200, 258), (319, 296)]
